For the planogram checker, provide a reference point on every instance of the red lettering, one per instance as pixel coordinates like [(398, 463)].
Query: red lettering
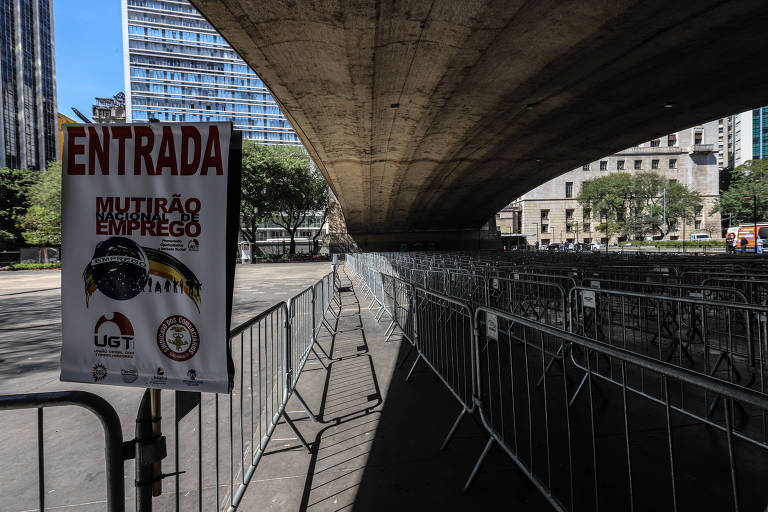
[(74, 149), (212, 154), (190, 133), (98, 149), (148, 227), (102, 227), (167, 156), (121, 134), (142, 150), (177, 229), (103, 204), (117, 227)]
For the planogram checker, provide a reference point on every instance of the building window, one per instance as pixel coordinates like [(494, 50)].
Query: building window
[(697, 224), (568, 189), (655, 143), (544, 215), (545, 228), (587, 227), (654, 164), (620, 165), (638, 165), (587, 240), (569, 214), (603, 165), (720, 130), (697, 137), (673, 163), (544, 242), (585, 167), (698, 212), (586, 214), (672, 140)]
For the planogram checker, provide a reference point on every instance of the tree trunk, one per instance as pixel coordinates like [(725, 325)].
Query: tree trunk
[(292, 247)]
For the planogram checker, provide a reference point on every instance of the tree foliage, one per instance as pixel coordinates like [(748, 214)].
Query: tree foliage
[(746, 181), (280, 185), (633, 204), (14, 186), (42, 221)]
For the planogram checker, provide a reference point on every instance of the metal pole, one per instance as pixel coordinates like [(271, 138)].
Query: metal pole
[(148, 430), (665, 214), (143, 472), (754, 216)]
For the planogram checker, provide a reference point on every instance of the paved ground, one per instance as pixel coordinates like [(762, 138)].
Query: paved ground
[(30, 340)]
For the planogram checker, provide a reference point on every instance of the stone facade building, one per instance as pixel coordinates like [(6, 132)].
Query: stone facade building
[(551, 213)]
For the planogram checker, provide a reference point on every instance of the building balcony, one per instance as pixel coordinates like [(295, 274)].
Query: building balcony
[(648, 150), (702, 148)]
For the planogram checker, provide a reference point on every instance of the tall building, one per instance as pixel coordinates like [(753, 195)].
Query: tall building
[(750, 135), (28, 124), (178, 68), (552, 212)]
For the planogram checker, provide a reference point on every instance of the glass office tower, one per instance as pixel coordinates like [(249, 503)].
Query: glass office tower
[(28, 128), (178, 68)]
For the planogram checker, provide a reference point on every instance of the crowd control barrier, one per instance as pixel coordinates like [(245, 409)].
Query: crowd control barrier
[(217, 440), (654, 399)]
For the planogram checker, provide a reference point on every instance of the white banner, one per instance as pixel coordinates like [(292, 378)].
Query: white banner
[(144, 281)]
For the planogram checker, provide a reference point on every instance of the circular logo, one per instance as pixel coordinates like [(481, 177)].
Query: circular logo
[(178, 338), (120, 268)]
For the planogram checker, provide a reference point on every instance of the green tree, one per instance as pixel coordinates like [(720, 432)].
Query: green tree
[(14, 201), (632, 205), (747, 181), (254, 208), (42, 222), (280, 184)]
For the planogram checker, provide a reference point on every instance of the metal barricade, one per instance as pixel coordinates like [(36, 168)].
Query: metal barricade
[(444, 343), (723, 339), (214, 460), (621, 449), (113, 437)]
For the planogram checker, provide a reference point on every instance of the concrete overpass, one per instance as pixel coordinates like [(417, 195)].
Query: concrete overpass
[(427, 117)]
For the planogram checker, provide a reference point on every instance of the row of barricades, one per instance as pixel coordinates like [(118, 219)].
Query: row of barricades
[(580, 393), (217, 450)]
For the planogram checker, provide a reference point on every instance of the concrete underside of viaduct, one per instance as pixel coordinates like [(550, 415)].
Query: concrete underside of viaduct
[(431, 116)]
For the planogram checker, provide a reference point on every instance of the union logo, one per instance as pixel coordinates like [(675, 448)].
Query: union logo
[(178, 338)]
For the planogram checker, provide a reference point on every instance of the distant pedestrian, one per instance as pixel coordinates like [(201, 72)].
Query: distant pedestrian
[(744, 243), (730, 240), (537, 245)]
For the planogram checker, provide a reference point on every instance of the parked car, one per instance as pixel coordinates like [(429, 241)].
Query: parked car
[(581, 247), (555, 246), (594, 246)]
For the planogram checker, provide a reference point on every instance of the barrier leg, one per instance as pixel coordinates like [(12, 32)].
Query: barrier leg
[(319, 360), (296, 431), (413, 368), (304, 405), (390, 331), (478, 464), (453, 428), (405, 359)]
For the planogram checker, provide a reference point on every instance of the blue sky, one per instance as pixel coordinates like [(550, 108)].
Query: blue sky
[(89, 52)]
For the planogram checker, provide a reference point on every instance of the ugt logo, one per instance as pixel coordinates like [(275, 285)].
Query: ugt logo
[(105, 339)]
